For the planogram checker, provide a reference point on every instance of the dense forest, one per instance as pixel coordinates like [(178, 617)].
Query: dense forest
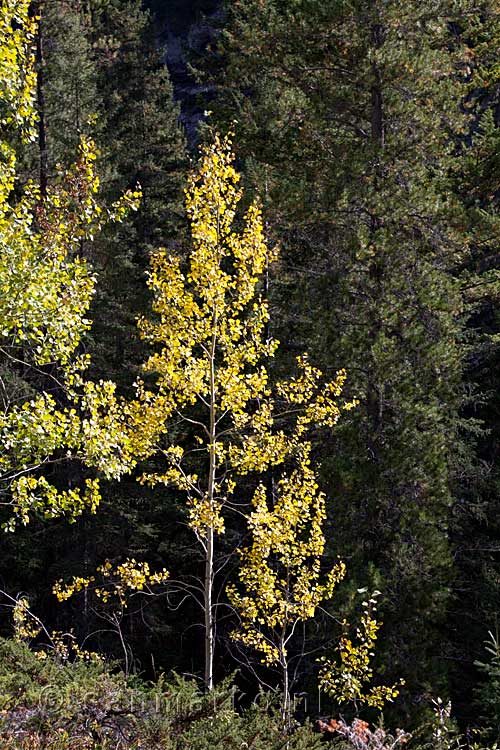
[(249, 374)]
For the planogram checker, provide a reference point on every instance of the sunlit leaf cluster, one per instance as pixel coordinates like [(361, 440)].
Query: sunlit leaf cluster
[(117, 582), (48, 412), (213, 349), (281, 581), (349, 679), (25, 627), (17, 73)]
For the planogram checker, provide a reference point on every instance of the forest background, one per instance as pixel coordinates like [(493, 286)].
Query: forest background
[(370, 133)]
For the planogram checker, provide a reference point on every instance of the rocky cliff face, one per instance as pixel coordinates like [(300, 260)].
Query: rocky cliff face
[(185, 28)]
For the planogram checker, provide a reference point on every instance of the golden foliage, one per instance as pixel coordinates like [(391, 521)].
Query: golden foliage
[(45, 291), (348, 679), (118, 582), (280, 572), (213, 350)]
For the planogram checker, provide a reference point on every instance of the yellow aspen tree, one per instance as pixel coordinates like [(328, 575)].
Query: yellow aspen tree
[(348, 678), (281, 586), (17, 71), (280, 573), (211, 368), (45, 292)]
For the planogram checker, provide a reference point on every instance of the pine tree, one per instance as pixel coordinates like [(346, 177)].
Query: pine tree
[(71, 104), (142, 143), (348, 115), (475, 531)]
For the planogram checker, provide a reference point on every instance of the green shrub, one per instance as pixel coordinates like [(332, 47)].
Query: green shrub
[(46, 704)]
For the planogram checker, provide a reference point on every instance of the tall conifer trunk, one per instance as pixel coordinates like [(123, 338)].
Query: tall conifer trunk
[(40, 91)]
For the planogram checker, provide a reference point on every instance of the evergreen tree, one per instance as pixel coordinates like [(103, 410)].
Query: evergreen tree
[(141, 142), (348, 114), (475, 529), (67, 74)]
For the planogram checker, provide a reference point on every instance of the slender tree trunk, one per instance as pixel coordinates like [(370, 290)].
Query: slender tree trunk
[(209, 539), (377, 100), (374, 394), (209, 624), (285, 700)]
